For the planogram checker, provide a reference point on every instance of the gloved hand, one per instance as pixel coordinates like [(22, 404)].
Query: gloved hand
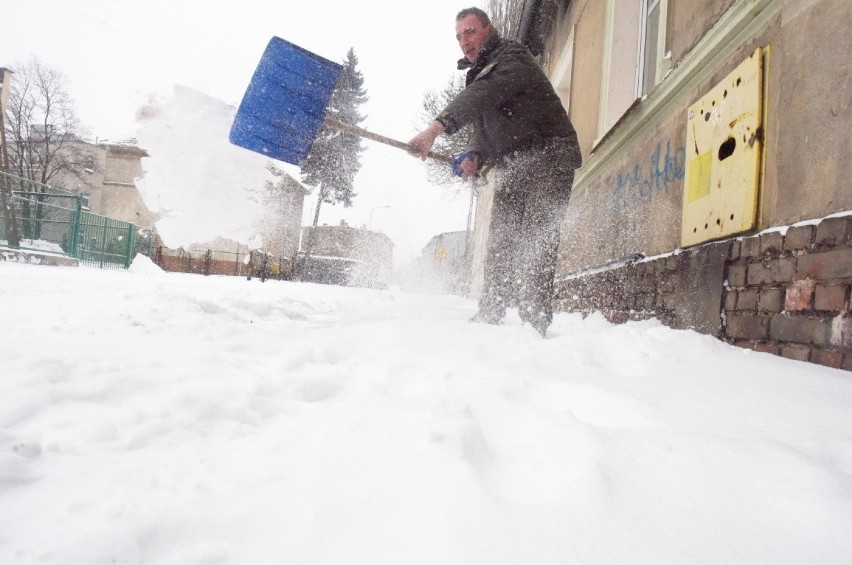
[(457, 170)]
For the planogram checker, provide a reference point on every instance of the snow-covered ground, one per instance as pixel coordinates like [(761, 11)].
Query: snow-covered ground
[(153, 418)]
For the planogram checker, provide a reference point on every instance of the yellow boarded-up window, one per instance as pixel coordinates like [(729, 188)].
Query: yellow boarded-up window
[(723, 156)]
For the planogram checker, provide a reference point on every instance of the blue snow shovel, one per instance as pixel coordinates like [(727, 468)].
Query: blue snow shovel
[(285, 105)]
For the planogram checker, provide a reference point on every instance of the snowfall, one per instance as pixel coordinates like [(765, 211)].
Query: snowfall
[(175, 419)]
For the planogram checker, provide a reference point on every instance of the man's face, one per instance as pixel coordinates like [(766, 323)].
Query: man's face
[(471, 34)]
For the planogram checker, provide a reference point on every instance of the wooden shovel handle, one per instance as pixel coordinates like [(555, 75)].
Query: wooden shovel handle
[(334, 123)]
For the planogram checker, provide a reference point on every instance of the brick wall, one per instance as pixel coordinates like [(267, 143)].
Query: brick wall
[(782, 293), (788, 293), (204, 263)]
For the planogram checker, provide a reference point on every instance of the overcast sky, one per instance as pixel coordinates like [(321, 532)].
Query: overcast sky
[(116, 53)]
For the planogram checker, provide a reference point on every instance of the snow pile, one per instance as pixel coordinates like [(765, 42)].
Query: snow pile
[(191, 419), (143, 265), (204, 186)]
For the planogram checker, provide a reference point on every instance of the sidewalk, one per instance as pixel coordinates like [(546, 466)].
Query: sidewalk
[(36, 257)]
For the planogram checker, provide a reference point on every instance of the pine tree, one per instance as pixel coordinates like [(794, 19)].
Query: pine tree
[(335, 156)]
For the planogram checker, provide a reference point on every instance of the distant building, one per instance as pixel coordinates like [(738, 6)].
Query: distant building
[(347, 256), (281, 225), (5, 77), (105, 175), (444, 264)]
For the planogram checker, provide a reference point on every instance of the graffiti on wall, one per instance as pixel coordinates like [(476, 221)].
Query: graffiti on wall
[(665, 168)]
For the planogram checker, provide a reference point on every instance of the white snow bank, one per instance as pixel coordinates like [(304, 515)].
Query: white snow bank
[(191, 419), (143, 265)]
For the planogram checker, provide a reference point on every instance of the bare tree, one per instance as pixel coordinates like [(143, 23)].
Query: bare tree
[(506, 16), (42, 128), (438, 172), (434, 101), (43, 137)]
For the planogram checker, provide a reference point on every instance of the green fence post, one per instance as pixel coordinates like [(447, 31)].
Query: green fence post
[(103, 241), (10, 219), (131, 245), (76, 223)]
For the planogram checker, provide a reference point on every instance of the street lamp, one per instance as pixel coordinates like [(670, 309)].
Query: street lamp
[(370, 226)]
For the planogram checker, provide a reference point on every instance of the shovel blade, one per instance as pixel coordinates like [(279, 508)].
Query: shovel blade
[(284, 104)]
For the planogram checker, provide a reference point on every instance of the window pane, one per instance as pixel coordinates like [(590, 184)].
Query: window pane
[(652, 26)]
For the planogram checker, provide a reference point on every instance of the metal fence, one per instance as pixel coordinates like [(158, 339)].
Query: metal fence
[(52, 220)]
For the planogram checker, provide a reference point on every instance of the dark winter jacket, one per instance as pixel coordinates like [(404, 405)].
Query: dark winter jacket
[(510, 103)]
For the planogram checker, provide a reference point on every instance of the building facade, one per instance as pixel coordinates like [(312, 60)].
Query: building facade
[(346, 255), (444, 264), (106, 177), (713, 193)]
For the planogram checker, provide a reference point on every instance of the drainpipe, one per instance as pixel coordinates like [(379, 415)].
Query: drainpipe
[(529, 12)]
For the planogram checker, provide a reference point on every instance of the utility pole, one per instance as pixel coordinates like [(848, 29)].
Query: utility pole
[(468, 234), (6, 201), (309, 244)]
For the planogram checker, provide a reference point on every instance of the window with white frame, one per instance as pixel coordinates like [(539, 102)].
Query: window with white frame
[(650, 48), (562, 74), (634, 43)]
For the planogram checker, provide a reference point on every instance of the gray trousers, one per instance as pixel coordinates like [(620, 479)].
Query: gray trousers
[(531, 195)]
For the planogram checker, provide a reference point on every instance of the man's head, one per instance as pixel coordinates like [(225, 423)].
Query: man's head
[(472, 29)]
